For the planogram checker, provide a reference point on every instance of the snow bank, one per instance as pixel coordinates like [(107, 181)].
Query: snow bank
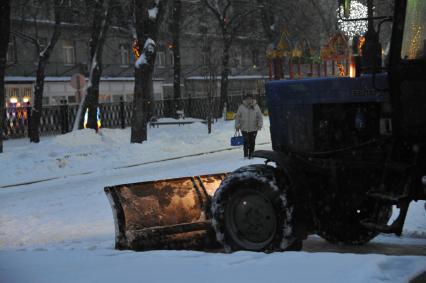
[(85, 151)]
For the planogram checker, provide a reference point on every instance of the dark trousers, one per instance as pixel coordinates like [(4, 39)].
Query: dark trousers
[(249, 142)]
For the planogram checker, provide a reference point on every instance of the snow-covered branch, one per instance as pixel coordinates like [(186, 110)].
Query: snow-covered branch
[(147, 53), (153, 11)]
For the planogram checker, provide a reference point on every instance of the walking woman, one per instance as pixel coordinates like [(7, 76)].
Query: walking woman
[(249, 120)]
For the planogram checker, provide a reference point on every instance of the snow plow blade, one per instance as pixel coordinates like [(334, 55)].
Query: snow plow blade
[(164, 214)]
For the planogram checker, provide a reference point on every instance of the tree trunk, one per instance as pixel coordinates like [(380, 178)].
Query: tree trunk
[(91, 103), (141, 105), (177, 4), (101, 19), (147, 27), (4, 42), (34, 131), (225, 74)]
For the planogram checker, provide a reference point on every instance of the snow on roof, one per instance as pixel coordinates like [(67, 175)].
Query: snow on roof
[(66, 79), (243, 77), (171, 84)]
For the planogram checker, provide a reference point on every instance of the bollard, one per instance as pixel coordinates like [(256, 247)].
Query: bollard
[(64, 117), (28, 118), (122, 117)]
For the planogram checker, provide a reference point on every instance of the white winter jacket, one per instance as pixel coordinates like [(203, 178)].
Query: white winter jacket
[(249, 117)]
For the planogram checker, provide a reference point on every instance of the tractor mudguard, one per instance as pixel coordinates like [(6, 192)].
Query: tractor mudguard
[(295, 177), (278, 157)]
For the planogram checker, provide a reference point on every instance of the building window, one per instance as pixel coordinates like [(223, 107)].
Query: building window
[(160, 60), (72, 99), (255, 57), (205, 58), (69, 53), (28, 92), (36, 3), (11, 51), (116, 97), (172, 58), (12, 95), (124, 55), (104, 98), (45, 100), (237, 59), (27, 98)]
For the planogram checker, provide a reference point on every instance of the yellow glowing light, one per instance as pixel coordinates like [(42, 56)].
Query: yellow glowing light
[(98, 118), (135, 48), (26, 99), (352, 69), (13, 100), (415, 42), (341, 70), (361, 43)]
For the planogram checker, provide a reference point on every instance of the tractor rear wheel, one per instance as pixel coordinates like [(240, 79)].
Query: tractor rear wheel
[(340, 220), (251, 212)]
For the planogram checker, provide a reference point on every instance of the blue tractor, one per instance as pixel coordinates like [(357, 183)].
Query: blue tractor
[(344, 151)]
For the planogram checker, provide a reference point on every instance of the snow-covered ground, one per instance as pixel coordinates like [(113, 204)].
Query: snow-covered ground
[(62, 230)]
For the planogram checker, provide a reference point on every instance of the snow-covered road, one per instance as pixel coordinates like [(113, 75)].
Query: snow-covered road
[(63, 231)]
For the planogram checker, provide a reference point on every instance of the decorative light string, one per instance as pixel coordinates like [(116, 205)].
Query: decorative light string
[(353, 28)]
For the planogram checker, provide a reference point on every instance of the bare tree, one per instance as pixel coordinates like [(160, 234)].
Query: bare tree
[(4, 42), (229, 19), (148, 16), (315, 22), (101, 14), (326, 12), (175, 29), (272, 30), (269, 20), (177, 14), (43, 59), (40, 14)]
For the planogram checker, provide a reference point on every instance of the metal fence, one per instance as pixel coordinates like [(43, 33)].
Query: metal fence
[(59, 119)]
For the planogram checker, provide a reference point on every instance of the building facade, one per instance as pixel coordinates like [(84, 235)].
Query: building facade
[(200, 51)]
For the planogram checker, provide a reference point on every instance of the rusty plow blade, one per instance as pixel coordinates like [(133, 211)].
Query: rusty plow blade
[(164, 214)]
